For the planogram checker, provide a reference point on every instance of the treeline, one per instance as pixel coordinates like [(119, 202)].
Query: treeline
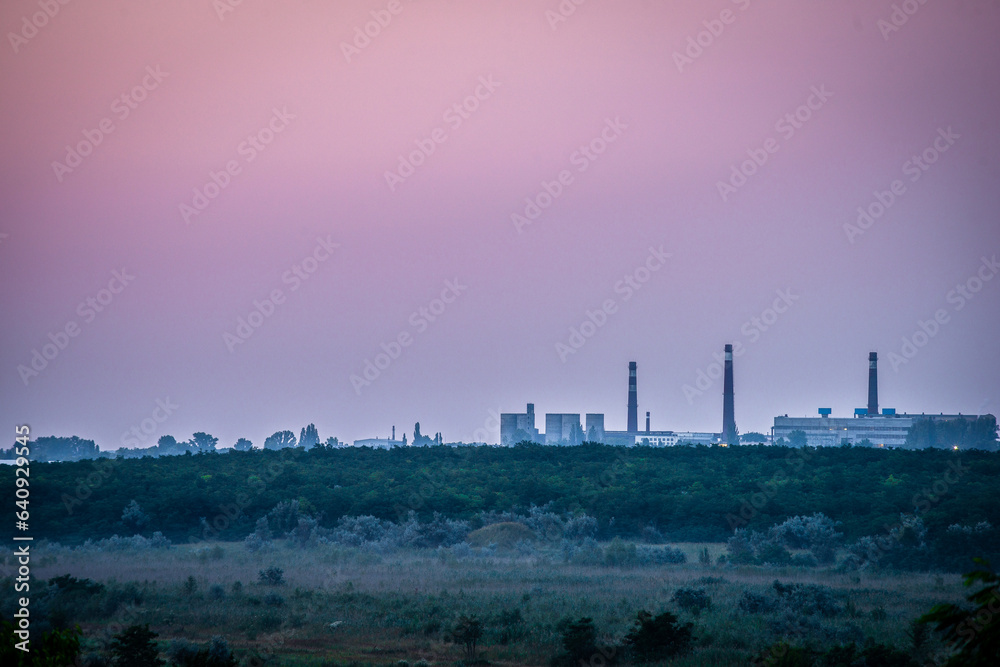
[(686, 493), (59, 448), (979, 433)]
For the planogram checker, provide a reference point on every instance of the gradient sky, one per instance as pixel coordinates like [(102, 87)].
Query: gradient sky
[(494, 347)]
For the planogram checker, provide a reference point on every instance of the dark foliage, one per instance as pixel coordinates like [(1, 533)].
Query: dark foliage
[(808, 598), (134, 647), (658, 638), (272, 576), (55, 648), (579, 641), (974, 633), (692, 600), (691, 493)]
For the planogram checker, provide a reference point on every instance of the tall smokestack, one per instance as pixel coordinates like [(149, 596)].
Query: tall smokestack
[(729, 435), (633, 400), (647, 422), (873, 383)]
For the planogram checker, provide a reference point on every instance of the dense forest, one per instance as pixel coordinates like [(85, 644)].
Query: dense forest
[(684, 493)]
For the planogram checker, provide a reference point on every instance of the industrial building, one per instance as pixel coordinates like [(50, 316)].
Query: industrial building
[(515, 427), (566, 429), (888, 429), (382, 443)]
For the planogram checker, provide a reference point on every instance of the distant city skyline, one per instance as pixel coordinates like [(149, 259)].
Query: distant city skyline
[(362, 216)]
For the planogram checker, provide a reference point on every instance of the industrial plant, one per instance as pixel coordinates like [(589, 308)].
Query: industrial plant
[(888, 429), (867, 426), (566, 429)]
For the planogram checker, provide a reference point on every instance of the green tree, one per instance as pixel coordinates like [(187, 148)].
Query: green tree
[(243, 445), (280, 440), (579, 643), (134, 647), (167, 445), (658, 638), (468, 631), (309, 437), (133, 517), (973, 634), (797, 439), (56, 648), (203, 442)]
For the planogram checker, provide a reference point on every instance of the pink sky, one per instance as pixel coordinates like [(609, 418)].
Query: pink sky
[(552, 90)]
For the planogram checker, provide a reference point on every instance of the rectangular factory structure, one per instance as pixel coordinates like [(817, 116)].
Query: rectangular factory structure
[(566, 428), (887, 429)]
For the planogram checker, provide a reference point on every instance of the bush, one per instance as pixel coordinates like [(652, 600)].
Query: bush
[(751, 603), (974, 648), (752, 548), (55, 647), (620, 554), (579, 640), (818, 533), (659, 556), (274, 600), (808, 598), (659, 638), (134, 647), (691, 599), (272, 576)]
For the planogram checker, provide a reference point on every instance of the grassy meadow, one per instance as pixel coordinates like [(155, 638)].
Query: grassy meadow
[(340, 605)]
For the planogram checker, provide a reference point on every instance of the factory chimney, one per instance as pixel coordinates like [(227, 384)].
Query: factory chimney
[(633, 400), (873, 383), (647, 421), (729, 435)]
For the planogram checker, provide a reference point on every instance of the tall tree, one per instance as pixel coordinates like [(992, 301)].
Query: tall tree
[(309, 437), (243, 445), (280, 440), (203, 442)]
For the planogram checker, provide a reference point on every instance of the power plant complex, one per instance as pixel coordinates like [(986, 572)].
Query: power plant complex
[(885, 429), (888, 429), (566, 429)]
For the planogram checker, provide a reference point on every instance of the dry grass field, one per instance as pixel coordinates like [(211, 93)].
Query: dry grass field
[(347, 606)]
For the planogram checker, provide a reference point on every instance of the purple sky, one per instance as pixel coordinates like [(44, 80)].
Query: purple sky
[(330, 121)]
